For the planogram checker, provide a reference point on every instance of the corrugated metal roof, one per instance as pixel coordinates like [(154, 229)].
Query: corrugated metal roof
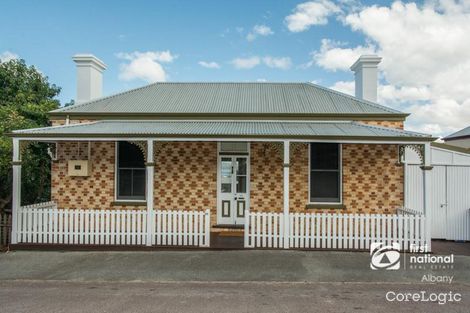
[(346, 129), (230, 98), (461, 133)]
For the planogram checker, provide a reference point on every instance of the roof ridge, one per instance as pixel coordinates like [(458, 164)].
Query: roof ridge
[(101, 104), (58, 126), (104, 98), (459, 133), (400, 131), (373, 104)]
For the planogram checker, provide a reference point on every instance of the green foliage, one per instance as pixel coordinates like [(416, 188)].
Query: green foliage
[(25, 98)]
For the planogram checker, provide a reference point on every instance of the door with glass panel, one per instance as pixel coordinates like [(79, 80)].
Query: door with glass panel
[(233, 190)]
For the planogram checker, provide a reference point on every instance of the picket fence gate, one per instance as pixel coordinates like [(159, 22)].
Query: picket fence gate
[(44, 223), (335, 231)]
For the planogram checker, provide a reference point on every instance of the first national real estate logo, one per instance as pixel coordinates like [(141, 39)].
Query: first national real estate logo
[(384, 256)]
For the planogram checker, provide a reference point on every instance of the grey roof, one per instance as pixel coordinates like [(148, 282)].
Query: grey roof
[(258, 129), (461, 133), (229, 98)]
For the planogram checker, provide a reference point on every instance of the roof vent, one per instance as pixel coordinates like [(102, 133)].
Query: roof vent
[(89, 77), (365, 73)]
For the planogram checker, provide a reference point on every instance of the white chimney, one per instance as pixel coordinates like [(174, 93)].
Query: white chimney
[(89, 77), (365, 73)]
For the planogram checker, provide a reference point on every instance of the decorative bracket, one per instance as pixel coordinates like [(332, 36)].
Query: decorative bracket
[(419, 149), (142, 145), (297, 147), (277, 147), (158, 147), (24, 144)]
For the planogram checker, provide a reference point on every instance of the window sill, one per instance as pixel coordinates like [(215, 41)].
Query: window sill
[(128, 203), (338, 206)]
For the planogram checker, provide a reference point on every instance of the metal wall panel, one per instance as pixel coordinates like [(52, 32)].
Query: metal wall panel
[(449, 199), (458, 202)]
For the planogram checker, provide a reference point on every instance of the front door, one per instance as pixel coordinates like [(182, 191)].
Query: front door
[(233, 190)]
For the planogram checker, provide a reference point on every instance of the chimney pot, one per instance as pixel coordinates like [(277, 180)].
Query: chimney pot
[(89, 77), (365, 74)]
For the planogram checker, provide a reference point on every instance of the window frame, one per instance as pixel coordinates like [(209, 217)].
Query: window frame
[(116, 177), (340, 165)]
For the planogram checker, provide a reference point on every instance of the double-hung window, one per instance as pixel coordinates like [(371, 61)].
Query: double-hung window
[(325, 172), (130, 172)]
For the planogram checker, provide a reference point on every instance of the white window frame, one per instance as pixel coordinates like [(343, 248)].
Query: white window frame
[(116, 144), (340, 175)]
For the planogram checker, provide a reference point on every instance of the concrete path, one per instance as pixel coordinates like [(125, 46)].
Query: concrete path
[(227, 266), (70, 297)]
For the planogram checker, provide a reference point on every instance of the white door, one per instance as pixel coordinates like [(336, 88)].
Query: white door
[(233, 189), (438, 202), (458, 203)]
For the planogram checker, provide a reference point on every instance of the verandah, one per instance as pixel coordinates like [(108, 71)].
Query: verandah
[(289, 228)]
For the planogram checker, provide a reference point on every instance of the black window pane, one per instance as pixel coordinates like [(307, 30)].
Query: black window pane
[(130, 155), (131, 172), (324, 186), (324, 156), (241, 184), (125, 183), (139, 184), (325, 172)]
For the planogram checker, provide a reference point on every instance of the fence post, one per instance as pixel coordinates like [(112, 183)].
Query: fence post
[(246, 229), (207, 228)]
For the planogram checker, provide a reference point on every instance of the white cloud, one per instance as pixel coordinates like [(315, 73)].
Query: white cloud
[(310, 13), (7, 56), (425, 65), (282, 63), (145, 65), (332, 57), (261, 80), (213, 65), (344, 86), (259, 30), (246, 63)]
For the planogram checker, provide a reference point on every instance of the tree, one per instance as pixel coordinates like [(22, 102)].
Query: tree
[(25, 98)]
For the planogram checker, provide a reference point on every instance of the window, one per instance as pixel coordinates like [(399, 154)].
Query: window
[(130, 172), (325, 172)]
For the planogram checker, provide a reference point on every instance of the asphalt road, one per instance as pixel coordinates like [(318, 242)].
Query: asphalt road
[(221, 266), (222, 281), (60, 296)]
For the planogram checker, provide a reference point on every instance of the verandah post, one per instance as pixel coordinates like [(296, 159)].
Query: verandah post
[(150, 165), (16, 192), (427, 191), (286, 194)]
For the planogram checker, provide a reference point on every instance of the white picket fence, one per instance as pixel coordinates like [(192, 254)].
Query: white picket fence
[(334, 231), (46, 224), (182, 228)]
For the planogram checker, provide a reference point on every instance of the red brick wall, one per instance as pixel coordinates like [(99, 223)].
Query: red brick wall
[(186, 177), (372, 180), (95, 191)]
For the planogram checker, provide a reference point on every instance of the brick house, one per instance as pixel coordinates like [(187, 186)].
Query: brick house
[(228, 148)]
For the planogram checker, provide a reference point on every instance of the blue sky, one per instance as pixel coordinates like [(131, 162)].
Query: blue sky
[(223, 34)]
